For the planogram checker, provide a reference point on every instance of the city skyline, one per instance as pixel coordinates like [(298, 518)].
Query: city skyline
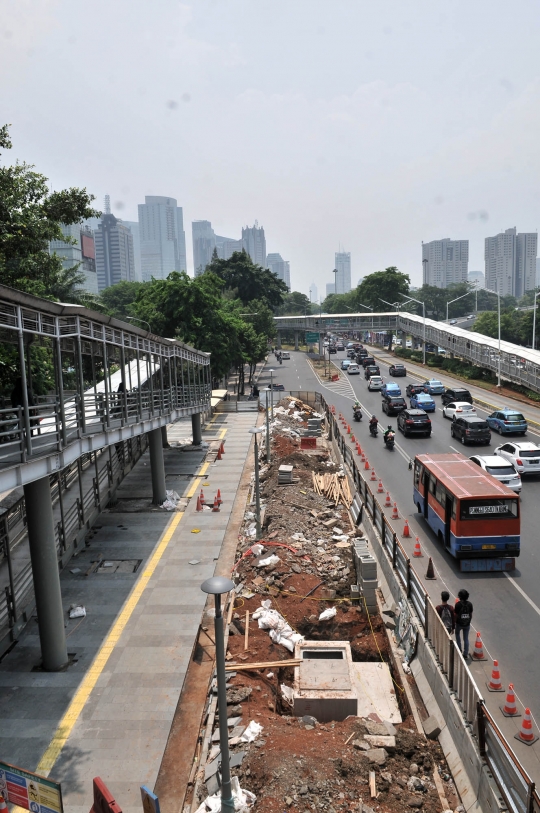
[(445, 262)]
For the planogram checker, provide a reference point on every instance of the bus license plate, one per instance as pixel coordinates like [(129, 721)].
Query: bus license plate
[(489, 547)]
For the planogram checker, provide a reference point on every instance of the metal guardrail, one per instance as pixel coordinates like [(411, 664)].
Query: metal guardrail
[(516, 787), (16, 602)]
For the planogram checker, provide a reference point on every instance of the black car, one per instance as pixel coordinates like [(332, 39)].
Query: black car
[(414, 422), (471, 430), (456, 394), (332, 349), (397, 369), (367, 360), (280, 387), (393, 405), (363, 352), (371, 369), (412, 389)]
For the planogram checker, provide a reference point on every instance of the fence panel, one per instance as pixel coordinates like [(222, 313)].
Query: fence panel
[(514, 786)]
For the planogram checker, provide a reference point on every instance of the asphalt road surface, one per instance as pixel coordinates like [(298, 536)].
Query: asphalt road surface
[(506, 606)]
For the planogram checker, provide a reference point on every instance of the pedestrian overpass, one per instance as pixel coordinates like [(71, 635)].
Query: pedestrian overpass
[(520, 365), (113, 383)]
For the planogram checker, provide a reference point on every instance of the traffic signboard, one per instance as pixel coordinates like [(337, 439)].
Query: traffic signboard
[(149, 800), (312, 338), (29, 790)]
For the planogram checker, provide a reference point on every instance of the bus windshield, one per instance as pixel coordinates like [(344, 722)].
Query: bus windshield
[(494, 509)]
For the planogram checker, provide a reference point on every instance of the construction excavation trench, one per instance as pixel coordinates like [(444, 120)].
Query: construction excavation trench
[(319, 718)]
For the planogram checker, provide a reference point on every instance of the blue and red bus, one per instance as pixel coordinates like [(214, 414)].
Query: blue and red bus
[(473, 514)]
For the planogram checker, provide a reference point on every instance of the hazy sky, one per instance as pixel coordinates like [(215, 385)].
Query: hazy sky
[(370, 125)]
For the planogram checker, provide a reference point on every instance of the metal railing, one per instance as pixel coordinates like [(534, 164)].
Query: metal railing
[(16, 601), (517, 788)]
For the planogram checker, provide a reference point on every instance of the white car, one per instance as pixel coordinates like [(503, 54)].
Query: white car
[(524, 456), (285, 354), (408, 343), (459, 409), (502, 470), (375, 383), (353, 369)]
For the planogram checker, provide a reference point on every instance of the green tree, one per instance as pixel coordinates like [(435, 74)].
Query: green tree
[(294, 304), (387, 284), (247, 281), (118, 299), (30, 217), (342, 303)]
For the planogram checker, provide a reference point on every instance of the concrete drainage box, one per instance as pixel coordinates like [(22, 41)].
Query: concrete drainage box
[(323, 686)]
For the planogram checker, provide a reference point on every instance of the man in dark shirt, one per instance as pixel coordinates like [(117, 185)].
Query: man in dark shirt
[(463, 611), (446, 612)]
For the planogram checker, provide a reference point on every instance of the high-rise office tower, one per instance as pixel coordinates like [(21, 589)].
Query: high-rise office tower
[(330, 288), (81, 253), (280, 267), (254, 242), (477, 278), (226, 246), (445, 262), (133, 226), (313, 293), (204, 243), (114, 250), (538, 272), (162, 238), (510, 260), (343, 276)]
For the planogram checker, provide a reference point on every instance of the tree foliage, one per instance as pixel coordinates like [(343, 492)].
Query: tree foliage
[(118, 299), (247, 281), (387, 284), (294, 304), (30, 217)]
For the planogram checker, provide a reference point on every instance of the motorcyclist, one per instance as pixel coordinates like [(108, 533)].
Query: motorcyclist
[(388, 433), (373, 423)]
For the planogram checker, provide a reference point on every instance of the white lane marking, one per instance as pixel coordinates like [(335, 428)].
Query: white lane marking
[(454, 448), (523, 593)]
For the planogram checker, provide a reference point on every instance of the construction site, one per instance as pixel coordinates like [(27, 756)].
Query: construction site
[(323, 712)]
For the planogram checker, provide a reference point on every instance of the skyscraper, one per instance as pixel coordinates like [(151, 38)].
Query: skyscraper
[(81, 253), (477, 278), (343, 276), (254, 242), (279, 267), (510, 260), (133, 226), (114, 250), (445, 262), (330, 288), (226, 246), (162, 237), (204, 243)]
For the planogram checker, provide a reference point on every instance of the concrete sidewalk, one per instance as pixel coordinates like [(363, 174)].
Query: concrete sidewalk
[(109, 714)]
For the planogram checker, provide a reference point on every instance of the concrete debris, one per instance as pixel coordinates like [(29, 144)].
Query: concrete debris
[(77, 611), (243, 800), (252, 732), (171, 503), (280, 631)]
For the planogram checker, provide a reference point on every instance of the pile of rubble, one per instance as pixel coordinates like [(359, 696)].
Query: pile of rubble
[(299, 582)]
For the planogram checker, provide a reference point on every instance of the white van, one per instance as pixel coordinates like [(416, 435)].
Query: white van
[(285, 354)]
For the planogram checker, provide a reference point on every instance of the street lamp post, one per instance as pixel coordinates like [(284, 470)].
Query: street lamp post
[(267, 429), (412, 299), (534, 320), (256, 430), (216, 586), (455, 300), (271, 371), (136, 319), (499, 320)]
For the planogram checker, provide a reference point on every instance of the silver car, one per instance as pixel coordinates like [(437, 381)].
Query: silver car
[(375, 383), (525, 457), (502, 470), (458, 409)]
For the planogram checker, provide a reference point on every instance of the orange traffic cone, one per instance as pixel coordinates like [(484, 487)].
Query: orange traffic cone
[(495, 684), (388, 503), (366, 465), (3, 805), (201, 498), (348, 429), (526, 733), (510, 709), (395, 514), (218, 497), (218, 456), (353, 439), (215, 507), (406, 530), (373, 475), (222, 448), (417, 549), (380, 489), (359, 449), (478, 651), (199, 506)]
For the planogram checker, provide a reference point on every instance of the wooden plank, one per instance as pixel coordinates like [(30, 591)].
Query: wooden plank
[(235, 667), (246, 638), (372, 785)]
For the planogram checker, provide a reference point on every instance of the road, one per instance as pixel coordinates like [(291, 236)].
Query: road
[(506, 606)]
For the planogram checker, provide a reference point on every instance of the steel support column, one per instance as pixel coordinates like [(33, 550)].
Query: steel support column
[(155, 443), (279, 339), (196, 428), (46, 574), (164, 438), (296, 345)]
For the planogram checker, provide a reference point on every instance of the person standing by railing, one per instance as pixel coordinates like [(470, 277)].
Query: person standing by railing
[(463, 611), (446, 612)]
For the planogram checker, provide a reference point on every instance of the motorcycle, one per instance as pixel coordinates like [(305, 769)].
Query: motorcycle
[(390, 441), (280, 360), (373, 430), (357, 414)]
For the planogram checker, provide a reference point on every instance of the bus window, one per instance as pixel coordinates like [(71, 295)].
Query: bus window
[(489, 509), (440, 494), (432, 484), (418, 473)]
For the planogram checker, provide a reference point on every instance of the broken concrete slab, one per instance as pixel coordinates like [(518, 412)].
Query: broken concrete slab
[(378, 741)]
